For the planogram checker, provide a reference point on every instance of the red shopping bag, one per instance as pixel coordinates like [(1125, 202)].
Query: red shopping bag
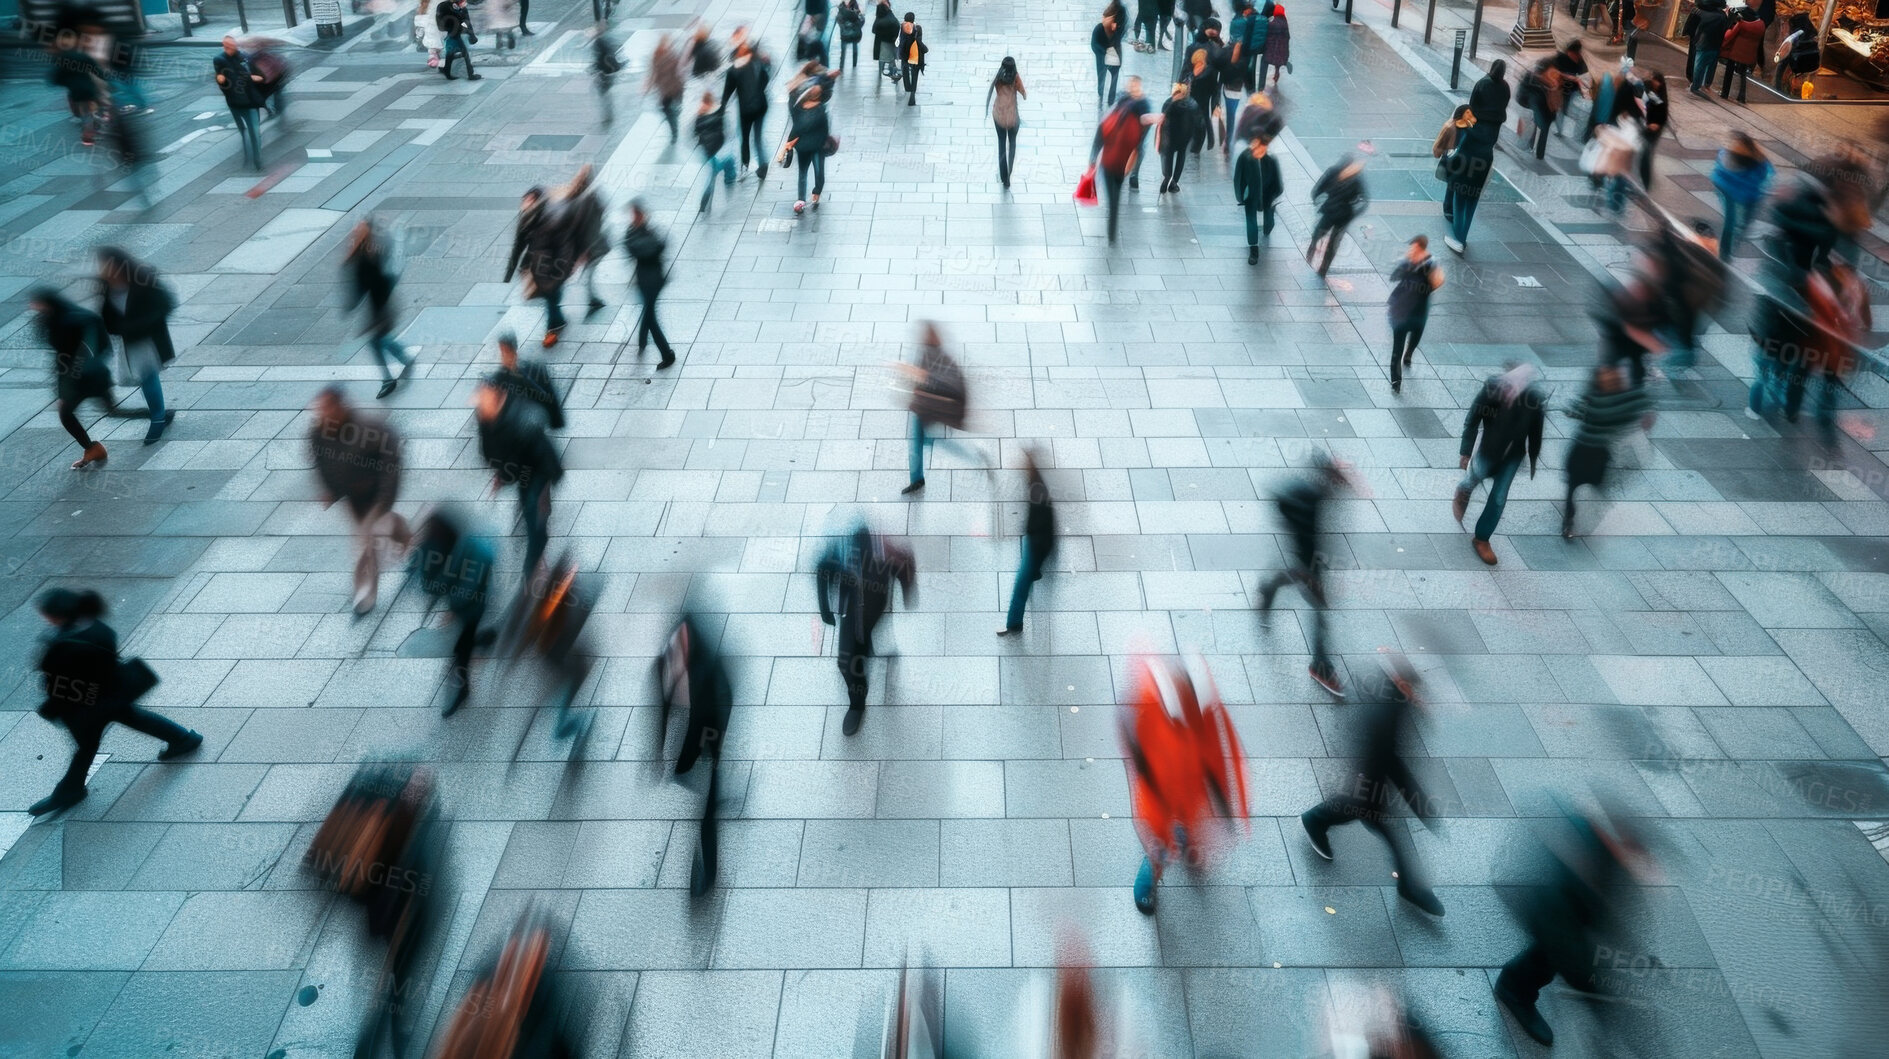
[(1085, 189)]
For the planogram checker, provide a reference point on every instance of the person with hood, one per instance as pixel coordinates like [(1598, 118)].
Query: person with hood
[(541, 250), (1489, 99), (912, 49), (136, 306), (1039, 542), (810, 132), (242, 91), (357, 459), (665, 80), (852, 30), (527, 379), (1278, 55), (455, 567), (88, 688), (1508, 414), (1608, 409), (1341, 198), (711, 135), (1741, 175), (1380, 778), (854, 580), (1414, 279), (1742, 48), (1178, 130), (1455, 131), (645, 246), (746, 82), (1005, 89), (455, 24), (514, 442), (582, 210), (1798, 55), (1257, 185), (1706, 27), (371, 279), (81, 368), (1105, 41), (885, 40), (1305, 506)]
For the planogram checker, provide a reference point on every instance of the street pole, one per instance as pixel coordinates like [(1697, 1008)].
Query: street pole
[(1429, 20), (1397, 7), (1475, 32)]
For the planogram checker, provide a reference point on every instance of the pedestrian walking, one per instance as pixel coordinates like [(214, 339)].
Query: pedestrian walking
[(1570, 62), (1259, 120), (1607, 409), (711, 136), (854, 580), (1246, 36), (1706, 28), (1341, 197), (1508, 414), (130, 132), (1105, 41), (605, 65), (553, 628), (746, 82), (371, 279), (852, 28), (1741, 49), (1147, 26), (1116, 152), (665, 80), (810, 137), (1197, 12), (704, 55), (1798, 55), (1203, 87), (455, 25), (1278, 54), (885, 39), (81, 370), (582, 211), (940, 401), (1466, 168), (1235, 82), (426, 23), (1303, 506), (514, 442), (1001, 101), (1414, 279), (1257, 185), (912, 49), (527, 379), (1039, 542), (810, 42), (455, 568), (541, 252), (357, 458), (645, 246), (1742, 175), (88, 92), (690, 675), (501, 21), (1455, 127), (1655, 112), (1541, 93), (272, 90), (1178, 131), (88, 688), (241, 91), (1381, 777), (135, 304)]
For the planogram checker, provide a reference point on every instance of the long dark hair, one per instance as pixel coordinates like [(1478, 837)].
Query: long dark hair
[(64, 606), (1007, 71)]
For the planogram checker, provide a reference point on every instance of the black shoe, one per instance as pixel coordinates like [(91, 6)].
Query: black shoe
[(186, 745), (1421, 896), (1134, 183), (1321, 845), (1397, 387), (485, 637), (156, 430), (850, 725), (665, 362), (475, 77), (1526, 1016), (596, 306), (913, 488), (386, 389), (526, 31), (459, 699), (1567, 526), (447, 74), (760, 172), (55, 802)]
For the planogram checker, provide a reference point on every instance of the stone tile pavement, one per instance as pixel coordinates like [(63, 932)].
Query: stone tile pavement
[(1708, 657)]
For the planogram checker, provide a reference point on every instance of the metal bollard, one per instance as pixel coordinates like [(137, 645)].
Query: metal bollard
[(1347, 12), (1397, 6), (1429, 21), (1456, 64)]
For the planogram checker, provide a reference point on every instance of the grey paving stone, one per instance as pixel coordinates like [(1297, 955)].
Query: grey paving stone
[(77, 930), (230, 1013)]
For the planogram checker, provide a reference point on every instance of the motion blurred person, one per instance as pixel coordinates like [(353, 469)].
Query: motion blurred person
[(88, 688), (854, 580), (541, 249), (1039, 542), (1341, 198), (455, 568), (1414, 279), (358, 459), (136, 305), (81, 368), (529, 379), (275, 72), (554, 629), (1116, 151), (665, 80), (1742, 174), (513, 442), (371, 279), (88, 93), (605, 65), (1257, 186), (583, 211), (242, 91), (1508, 414), (1303, 505), (1382, 778), (1605, 411), (645, 246), (689, 675), (514, 1009), (711, 135), (746, 83), (940, 401)]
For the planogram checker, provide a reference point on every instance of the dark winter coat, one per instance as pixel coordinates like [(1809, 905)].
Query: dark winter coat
[(515, 445), (148, 306), (747, 84), (542, 248), (1509, 429), (645, 246), (81, 369), (531, 380), (79, 674), (238, 90), (855, 579), (357, 459), (1257, 184)]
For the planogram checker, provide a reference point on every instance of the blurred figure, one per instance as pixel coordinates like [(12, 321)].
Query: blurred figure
[(243, 92), (1605, 411), (1187, 772), (1509, 415), (1630, 313), (604, 68), (665, 80), (646, 247), (915, 1024), (1369, 1022), (455, 26), (357, 459), (1076, 1025), (381, 846), (689, 675), (1805, 214), (1741, 176), (1808, 328), (854, 580), (81, 365), (1565, 920), (512, 1011), (500, 19), (711, 135), (371, 279), (454, 567), (136, 305), (1039, 542), (514, 442), (581, 210), (541, 249), (939, 400), (1414, 279), (1381, 778), (529, 379), (88, 93), (130, 131), (1341, 198), (273, 67), (88, 688), (703, 53), (1302, 507), (746, 83), (554, 629)]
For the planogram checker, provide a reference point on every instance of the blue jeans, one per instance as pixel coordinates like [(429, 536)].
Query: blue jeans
[(1767, 385), (1233, 115), (1500, 478), (251, 137), (1465, 212), (1029, 571), (1617, 193), (1737, 215), (153, 394), (1702, 66), (718, 165), (385, 347), (920, 441)]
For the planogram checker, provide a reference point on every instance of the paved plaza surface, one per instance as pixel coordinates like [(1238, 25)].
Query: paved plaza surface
[(1708, 656)]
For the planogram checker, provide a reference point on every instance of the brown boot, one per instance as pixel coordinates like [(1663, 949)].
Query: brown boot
[(94, 453), (1483, 551)]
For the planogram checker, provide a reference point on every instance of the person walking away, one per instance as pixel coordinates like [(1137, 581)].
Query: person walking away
[(704, 56), (1117, 148), (1303, 506), (1508, 414), (88, 688), (357, 458), (1467, 166), (1257, 185), (1541, 93), (501, 20), (1105, 41), (541, 251), (665, 80), (1278, 55), (1741, 175), (711, 136), (527, 379), (852, 30), (885, 39), (1001, 101), (583, 211), (912, 51), (689, 674), (940, 400), (605, 65), (810, 42), (1039, 542), (1655, 111), (1742, 48), (1247, 36), (854, 580), (455, 23), (1707, 25), (1605, 411), (1176, 132), (1380, 778), (1447, 138), (514, 442), (81, 370), (239, 84), (455, 568), (371, 279), (1341, 198), (645, 246), (1203, 87), (136, 306), (1798, 55), (1147, 27), (1489, 99), (1414, 279), (746, 82), (88, 93), (807, 122)]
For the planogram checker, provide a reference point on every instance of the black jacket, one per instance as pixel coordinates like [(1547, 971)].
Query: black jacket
[(747, 83), (645, 245), (369, 279), (1039, 522), (1508, 428), (1489, 101), (541, 247), (1257, 183), (453, 20), (516, 446), (79, 674), (584, 215), (885, 27), (852, 22), (80, 365), (532, 381), (1101, 40), (238, 90), (704, 58), (905, 46), (1386, 729), (855, 579), (810, 128), (1181, 121), (1709, 30), (711, 132), (455, 567), (1341, 199), (357, 459), (148, 306), (711, 702)]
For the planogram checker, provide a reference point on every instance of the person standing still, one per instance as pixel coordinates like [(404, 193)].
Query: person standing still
[(1708, 23), (912, 51), (136, 306), (1414, 279), (1001, 101), (1509, 414), (1257, 185), (455, 22), (371, 278), (1742, 48), (1105, 41), (645, 246), (357, 459), (1303, 505), (242, 92), (1039, 542)]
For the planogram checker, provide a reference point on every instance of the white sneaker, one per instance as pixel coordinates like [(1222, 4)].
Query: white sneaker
[(1750, 414), (800, 207), (1450, 241)]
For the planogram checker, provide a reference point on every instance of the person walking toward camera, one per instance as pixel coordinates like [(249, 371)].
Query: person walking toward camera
[(807, 121), (854, 580), (371, 279), (746, 83), (1257, 186), (541, 250), (1509, 415), (242, 91), (357, 459), (852, 28), (136, 306), (1303, 506), (514, 442), (1414, 279), (88, 688)]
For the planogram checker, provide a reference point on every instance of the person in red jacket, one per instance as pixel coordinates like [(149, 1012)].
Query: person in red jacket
[(1117, 149), (1744, 40)]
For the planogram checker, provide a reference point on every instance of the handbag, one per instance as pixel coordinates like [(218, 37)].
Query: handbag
[(1085, 189), (1446, 166), (135, 679)]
